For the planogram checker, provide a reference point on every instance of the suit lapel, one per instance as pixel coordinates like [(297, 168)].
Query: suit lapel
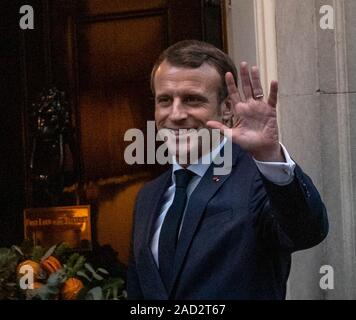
[(150, 279), (205, 190), (147, 268), (155, 199)]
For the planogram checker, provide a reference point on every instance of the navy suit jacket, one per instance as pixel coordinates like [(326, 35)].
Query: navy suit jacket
[(237, 236)]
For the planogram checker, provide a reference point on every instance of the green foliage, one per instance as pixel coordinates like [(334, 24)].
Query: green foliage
[(75, 263), (61, 250), (8, 262), (50, 290), (113, 289), (37, 253), (97, 281)]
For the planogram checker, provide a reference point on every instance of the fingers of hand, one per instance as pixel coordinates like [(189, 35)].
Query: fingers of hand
[(256, 83), (272, 98), (231, 88), (246, 81)]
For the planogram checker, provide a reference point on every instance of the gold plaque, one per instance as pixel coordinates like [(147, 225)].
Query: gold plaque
[(50, 226)]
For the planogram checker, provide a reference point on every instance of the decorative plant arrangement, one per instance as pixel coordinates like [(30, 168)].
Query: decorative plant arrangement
[(56, 273)]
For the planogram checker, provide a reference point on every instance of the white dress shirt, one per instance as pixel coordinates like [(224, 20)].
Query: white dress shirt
[(280, 173)]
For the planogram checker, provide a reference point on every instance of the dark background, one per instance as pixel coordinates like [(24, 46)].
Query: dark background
[(100, 53)]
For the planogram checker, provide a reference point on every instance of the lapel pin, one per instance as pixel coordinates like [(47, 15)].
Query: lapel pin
[(216, 179)]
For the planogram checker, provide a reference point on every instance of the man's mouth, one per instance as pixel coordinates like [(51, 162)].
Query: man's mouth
[(182, 131)]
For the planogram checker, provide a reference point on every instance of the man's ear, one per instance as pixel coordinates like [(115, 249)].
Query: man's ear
[(227, 112)]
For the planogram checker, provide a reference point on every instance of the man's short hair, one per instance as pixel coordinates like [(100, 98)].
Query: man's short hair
[(192, 54)]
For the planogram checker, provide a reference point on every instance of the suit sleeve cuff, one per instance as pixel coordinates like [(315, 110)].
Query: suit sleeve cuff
[(279, 173)]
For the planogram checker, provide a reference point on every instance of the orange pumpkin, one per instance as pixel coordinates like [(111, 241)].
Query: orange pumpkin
[(51, 264), (37, 285), (33, 264), (71, 288)]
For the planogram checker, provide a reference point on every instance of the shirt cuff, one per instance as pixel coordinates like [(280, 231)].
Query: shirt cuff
[(280, 173)]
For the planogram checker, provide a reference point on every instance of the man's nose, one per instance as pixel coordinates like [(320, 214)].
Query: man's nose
[(178, 111)]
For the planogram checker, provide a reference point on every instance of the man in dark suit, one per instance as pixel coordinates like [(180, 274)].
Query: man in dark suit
[(198, 235)]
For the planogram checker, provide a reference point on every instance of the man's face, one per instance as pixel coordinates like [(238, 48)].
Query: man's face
[(186, 99)]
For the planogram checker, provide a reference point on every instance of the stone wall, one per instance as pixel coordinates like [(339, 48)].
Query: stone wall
[(316, 70), (317, 79)]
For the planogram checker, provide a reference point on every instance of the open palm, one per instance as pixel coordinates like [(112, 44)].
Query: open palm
[(255, 127)]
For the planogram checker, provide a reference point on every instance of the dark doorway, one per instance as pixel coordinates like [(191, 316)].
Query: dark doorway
[(100, 53)]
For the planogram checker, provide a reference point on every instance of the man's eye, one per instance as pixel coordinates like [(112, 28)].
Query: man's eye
[(163, 100), (193, 100)]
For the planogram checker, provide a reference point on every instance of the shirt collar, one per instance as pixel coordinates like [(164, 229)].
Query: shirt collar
[(202, 165)]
